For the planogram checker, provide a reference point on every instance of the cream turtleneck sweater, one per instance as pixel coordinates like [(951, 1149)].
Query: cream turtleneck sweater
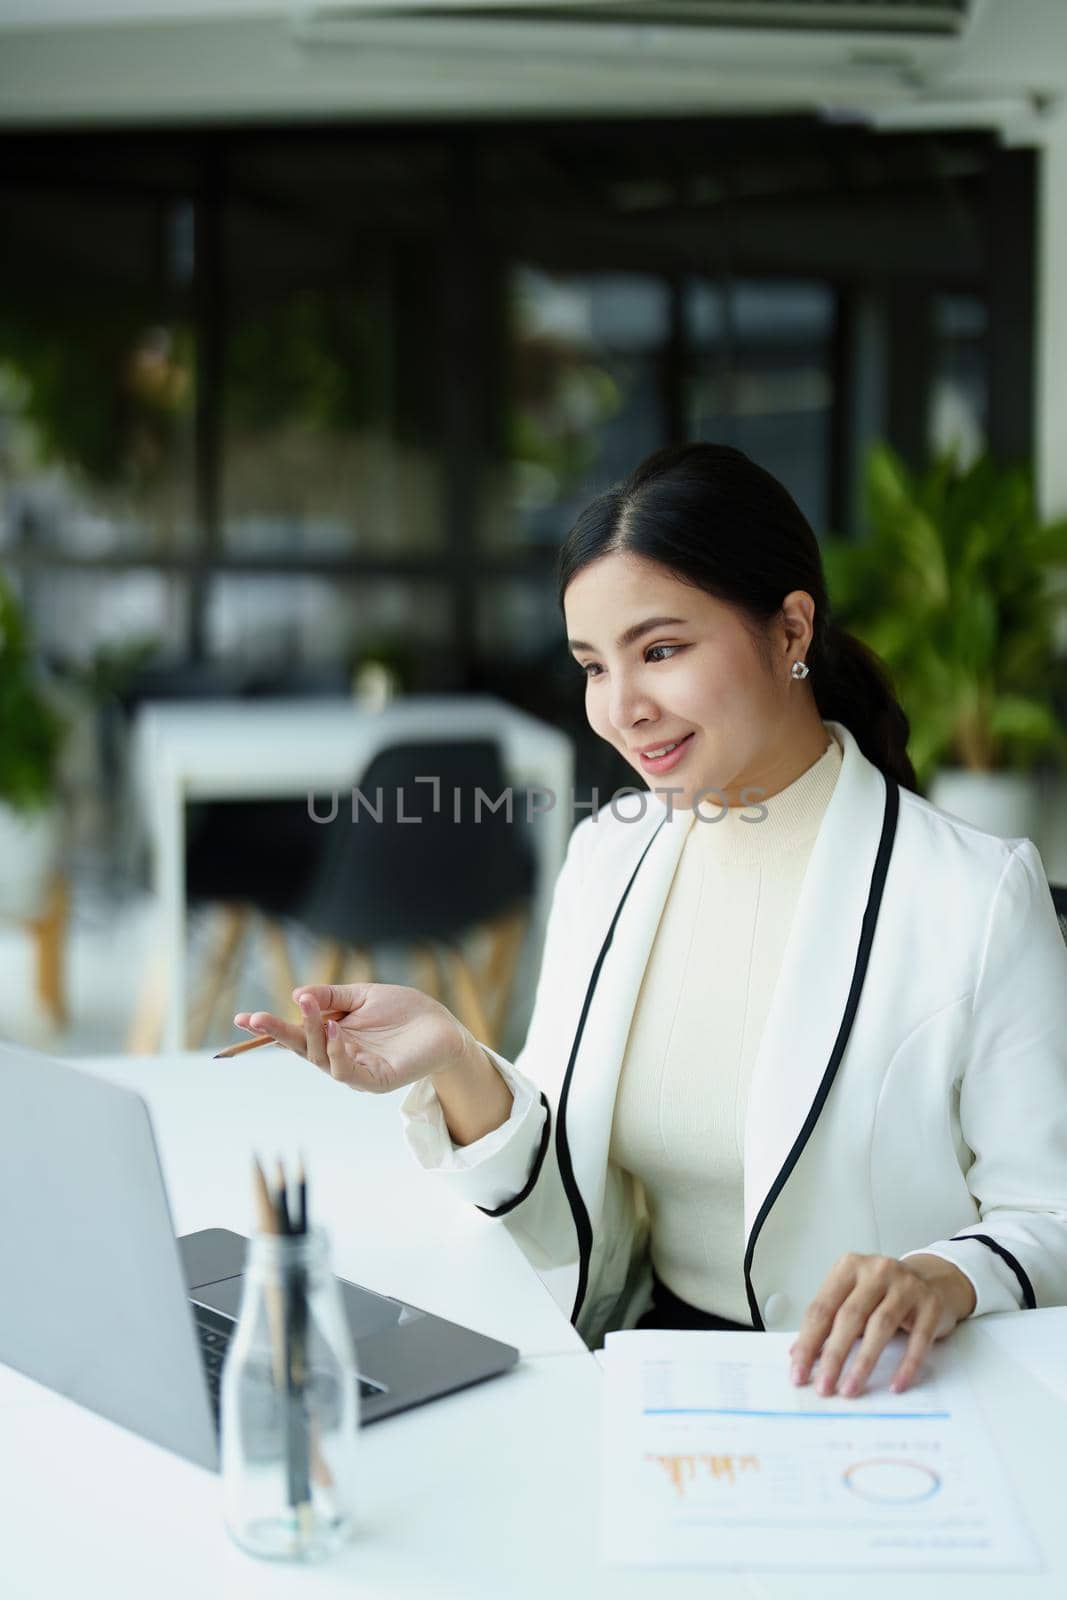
[(680, 1108)]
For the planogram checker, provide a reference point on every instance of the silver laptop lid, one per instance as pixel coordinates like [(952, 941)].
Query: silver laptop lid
[(92, 1298)]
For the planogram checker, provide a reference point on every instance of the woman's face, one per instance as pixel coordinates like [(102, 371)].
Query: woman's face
[(666, 663)]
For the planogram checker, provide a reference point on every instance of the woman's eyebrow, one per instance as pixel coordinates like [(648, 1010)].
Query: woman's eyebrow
[(631, 633)]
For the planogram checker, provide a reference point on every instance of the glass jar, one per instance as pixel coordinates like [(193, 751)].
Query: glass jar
[(290, 1404)]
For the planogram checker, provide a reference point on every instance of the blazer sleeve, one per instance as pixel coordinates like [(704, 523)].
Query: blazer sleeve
[(1013, 1101), (512, 1172)]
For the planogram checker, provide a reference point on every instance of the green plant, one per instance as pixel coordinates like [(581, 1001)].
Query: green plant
[(951, 588), (114, 667), (31, 730)]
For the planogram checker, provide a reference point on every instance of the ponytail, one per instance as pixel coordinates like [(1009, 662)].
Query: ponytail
[(851, 685)]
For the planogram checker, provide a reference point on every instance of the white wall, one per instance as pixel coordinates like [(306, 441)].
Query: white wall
[(1051, 398), (1051, 419)]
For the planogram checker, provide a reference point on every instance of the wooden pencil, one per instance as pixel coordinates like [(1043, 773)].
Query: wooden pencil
[(267, 1220), (281, 1201), (300, 1224), (265, 1217)]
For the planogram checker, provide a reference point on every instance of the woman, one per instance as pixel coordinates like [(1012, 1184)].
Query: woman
[(798, 1055)]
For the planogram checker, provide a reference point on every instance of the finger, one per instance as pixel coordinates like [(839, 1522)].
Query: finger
[(243, 1020), (314, 1032), (342, 1055), (816, 1325), (920, 1339), (849, 1325), (282, 1032), (343, 997), (337, 1054), (819, 1317), (886, 1320)]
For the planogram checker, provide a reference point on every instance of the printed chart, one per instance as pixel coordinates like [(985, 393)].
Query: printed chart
[(713, 1458)]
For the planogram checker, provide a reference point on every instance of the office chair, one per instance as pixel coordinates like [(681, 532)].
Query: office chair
[(422, 885), (250, 862), (246, 863)]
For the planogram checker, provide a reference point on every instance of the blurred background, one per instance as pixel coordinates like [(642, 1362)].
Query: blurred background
[(320, 323)]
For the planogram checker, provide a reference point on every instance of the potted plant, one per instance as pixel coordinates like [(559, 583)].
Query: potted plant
[(951, 588), (31, 733)]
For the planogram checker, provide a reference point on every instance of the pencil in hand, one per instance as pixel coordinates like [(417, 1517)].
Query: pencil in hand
[(265, 1038)]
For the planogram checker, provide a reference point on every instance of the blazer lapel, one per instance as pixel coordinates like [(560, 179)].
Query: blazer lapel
[(818, 966), (603, 1045)]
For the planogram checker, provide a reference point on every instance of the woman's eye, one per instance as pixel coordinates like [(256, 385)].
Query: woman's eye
[(591, 669)]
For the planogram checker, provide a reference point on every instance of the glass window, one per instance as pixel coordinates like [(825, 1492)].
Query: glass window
[(760, 377), (587, 394), (77, 612), (97, 374), (301, 619), (519, 621), (331, 388), (958, 415)]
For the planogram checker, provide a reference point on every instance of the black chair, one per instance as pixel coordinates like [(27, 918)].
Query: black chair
[(424, 886), (1059, 900), (427, 885), (248, 863)]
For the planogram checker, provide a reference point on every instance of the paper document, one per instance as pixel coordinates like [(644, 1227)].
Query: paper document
[(713, 1457)]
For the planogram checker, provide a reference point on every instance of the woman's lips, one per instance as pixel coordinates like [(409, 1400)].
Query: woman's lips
[(671, 759)]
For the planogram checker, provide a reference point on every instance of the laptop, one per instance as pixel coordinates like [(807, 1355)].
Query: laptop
[(100, 1302)]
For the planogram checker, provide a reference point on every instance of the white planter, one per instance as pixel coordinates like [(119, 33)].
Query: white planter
[(29, 854), (1004, 803)]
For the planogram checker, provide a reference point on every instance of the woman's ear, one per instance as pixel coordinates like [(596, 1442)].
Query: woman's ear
[(798, 620)]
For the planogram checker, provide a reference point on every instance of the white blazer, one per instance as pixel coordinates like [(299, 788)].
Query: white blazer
[(910, 1089)]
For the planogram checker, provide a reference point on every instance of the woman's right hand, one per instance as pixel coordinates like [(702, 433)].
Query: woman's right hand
[(388, 1037)]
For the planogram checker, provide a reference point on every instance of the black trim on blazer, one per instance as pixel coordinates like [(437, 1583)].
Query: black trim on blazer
[(870, 921), (1029, 1297), (582, 1225), (535, 1172)]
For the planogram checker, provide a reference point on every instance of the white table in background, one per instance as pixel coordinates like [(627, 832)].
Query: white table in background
[(490, 1494), (234, 749)]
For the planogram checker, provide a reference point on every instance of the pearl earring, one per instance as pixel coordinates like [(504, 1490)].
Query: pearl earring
[(799, 669)]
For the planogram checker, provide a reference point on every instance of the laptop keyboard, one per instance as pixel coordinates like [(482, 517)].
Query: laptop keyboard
[(214, 1337), (215, 1332)]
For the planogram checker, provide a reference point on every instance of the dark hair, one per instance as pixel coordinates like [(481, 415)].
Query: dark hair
[(716, 520)]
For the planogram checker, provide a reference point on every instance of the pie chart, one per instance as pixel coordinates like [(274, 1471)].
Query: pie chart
[(891, 1481)]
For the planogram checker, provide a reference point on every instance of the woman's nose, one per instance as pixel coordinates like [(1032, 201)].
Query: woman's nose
[(627, 705)]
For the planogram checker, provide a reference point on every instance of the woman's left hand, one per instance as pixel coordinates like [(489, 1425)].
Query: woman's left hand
[(871, 1298)]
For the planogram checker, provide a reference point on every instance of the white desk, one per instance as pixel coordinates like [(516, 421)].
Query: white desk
[(493, 1492), (259, 749)]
